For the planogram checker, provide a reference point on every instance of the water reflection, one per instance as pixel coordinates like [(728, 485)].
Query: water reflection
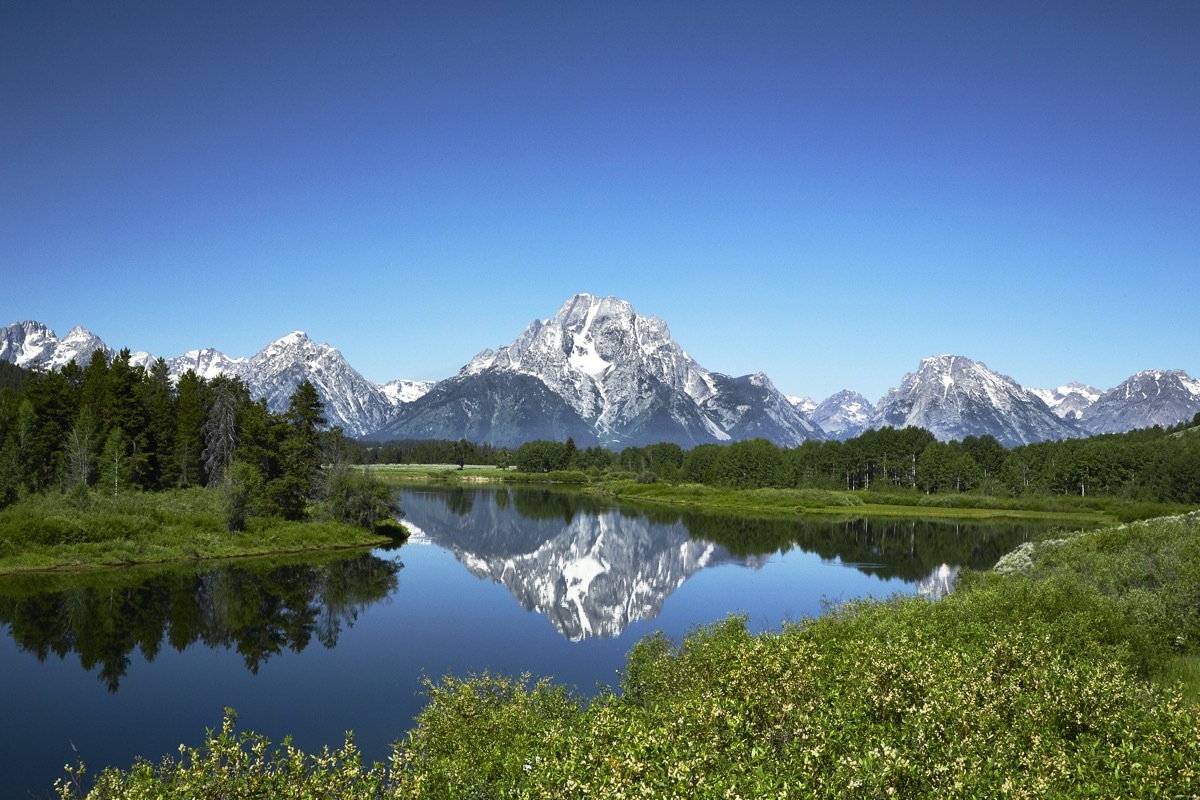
[(592, 569), (258, 608)]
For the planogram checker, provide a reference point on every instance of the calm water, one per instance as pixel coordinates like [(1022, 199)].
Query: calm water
[(107, 667)]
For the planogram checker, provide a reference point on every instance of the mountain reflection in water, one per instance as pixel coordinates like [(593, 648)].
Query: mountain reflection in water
[(257, 607), (592, 569)]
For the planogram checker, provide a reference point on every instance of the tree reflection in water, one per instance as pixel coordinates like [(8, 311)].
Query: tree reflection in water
[(257, 608)]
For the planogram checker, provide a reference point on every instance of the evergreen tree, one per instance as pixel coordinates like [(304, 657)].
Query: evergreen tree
[(188, 443), (10, 471), (157, 397)]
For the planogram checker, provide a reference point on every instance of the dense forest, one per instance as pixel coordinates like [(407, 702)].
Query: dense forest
[(115, 427), (1153, 464)]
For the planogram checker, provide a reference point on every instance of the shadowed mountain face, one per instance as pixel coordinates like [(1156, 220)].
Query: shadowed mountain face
[(593, 569)]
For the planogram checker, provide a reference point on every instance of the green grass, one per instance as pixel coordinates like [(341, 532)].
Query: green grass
[(1069, 509), (820, 501), (77, 531)]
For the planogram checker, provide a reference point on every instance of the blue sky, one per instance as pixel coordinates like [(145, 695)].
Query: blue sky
[(826, 192)]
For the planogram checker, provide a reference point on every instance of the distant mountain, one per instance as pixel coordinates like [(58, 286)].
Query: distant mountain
[(805, 404), (1070, 401), (843, 415), (603, 374), (402, 391), (954, 397), (207, 364), (351, 401), (34, 346), (1151, 397), (607, 371)]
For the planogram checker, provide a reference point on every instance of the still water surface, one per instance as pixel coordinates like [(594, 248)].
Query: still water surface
[(110, 666)]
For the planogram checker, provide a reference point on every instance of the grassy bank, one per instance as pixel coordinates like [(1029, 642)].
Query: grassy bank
[(818, 501), (61, 531), (1068, 509), (1053, 676)]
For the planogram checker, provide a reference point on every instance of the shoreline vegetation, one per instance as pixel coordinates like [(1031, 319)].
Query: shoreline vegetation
[(1070, 669)]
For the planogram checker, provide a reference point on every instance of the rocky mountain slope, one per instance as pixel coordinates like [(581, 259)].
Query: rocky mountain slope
[(1151, 397), (954, 397)]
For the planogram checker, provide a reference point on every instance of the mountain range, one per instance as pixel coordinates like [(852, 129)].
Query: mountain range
[(601, 373)]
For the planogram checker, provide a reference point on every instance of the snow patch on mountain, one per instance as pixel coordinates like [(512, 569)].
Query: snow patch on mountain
[(1069, 401), (806, 404), (402, 391)]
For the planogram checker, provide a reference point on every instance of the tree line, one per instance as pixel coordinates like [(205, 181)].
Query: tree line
[(115, 426), (1153, 464)]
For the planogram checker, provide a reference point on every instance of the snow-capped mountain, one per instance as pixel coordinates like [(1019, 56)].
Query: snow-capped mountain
[(34, 346), (351, 400), (843, 415), (1151, 397), (1069, 401), (805, 404), (207, 363), (603, 374), (402, 391), (617, 374), (954, 397), (359, 406)]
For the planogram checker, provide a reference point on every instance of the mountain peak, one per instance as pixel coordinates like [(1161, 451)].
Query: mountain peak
[(295, 337)]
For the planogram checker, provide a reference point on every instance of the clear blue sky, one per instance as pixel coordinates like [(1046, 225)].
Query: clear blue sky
[(827, 192)]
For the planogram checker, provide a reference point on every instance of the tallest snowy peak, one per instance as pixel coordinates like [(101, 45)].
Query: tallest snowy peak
[(295, 337)]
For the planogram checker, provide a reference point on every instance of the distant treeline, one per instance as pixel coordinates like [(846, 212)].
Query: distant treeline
[(1153, 464)]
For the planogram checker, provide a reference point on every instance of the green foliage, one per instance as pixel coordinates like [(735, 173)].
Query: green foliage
[(241, 487), (356, 497)]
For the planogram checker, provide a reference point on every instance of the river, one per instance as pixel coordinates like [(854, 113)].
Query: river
[(108, 666)]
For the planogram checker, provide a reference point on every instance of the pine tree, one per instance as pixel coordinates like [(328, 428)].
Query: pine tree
[(188, 444)]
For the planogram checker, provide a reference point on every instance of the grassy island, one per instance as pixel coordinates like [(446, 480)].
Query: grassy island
[(96, 530)]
